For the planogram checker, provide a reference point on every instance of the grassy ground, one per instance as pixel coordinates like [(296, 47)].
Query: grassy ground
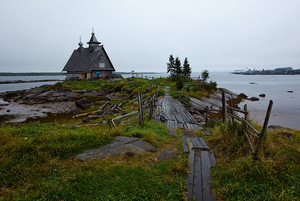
[(238, 177), (37, 164)]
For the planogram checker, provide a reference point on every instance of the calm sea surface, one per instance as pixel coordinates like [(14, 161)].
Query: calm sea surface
[(286, 107)]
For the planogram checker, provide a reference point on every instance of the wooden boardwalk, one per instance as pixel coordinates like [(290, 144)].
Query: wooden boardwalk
[(201, 158), (173, 113)]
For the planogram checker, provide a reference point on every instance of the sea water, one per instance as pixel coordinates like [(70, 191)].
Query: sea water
[(284, 90), (21, 86)]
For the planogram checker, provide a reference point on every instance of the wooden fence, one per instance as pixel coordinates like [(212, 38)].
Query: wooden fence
[(251, 133), (230, 113), (146, 108)]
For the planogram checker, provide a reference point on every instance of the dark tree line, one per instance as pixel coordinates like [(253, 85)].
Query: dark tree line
[(175, 68)]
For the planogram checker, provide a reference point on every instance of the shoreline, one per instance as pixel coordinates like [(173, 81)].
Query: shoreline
[(27, 81)]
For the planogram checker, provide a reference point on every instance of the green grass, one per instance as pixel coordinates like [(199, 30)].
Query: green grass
[(238, 177), (37, 163)]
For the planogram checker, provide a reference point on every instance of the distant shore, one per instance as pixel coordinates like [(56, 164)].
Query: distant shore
[(26, 81), (32, 74)]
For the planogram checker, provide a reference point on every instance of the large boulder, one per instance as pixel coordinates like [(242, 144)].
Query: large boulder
[(83, 103), (120, 146)]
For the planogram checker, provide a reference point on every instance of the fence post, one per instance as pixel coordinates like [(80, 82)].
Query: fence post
[(263, 131), (231, 110), (224, 107), (206, 115), (246, 116), (140, 101), (151, 107)]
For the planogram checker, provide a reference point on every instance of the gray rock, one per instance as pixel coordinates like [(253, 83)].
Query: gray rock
[(166, 155), (59, 93), (92, 93), (242, 95), (120, 146), (45, 94), (254, 98), (262, 95), (82, 103)]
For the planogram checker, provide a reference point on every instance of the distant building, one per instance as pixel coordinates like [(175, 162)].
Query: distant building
[(284, 69), (89, 63)]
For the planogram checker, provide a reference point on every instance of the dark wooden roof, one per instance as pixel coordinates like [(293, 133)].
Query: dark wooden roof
[(85, 60)]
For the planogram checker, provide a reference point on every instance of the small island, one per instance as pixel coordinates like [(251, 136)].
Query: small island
[(276, 71)]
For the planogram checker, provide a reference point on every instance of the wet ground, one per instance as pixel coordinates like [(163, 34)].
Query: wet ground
[(13, 112)]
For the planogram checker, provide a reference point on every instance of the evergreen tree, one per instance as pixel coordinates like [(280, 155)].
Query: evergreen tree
[(205, 75), (178, 68), (186, 68), (171, 66)]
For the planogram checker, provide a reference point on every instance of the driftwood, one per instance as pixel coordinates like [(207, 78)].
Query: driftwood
[(93, 112)]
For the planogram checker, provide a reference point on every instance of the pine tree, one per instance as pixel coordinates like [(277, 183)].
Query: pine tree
[(171, 66), (205, 75), (186, 68), (178, 68)]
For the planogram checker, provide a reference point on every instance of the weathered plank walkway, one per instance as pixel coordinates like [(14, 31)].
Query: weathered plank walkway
[(173, 114), (201, 158)]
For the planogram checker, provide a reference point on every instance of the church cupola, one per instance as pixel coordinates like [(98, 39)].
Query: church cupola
[(80, 45), (93, 41)]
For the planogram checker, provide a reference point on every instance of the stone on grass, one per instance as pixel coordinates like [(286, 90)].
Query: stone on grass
[(166, 155), (120, 146)]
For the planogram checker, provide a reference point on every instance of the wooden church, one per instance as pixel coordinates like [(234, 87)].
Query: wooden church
[(89, 63)]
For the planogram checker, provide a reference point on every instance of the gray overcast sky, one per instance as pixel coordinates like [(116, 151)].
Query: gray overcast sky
[(218, 35)]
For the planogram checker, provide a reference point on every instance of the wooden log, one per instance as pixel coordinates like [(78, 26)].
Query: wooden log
[(250, 126), (265, 125), (237, 110), (131, 113), (93, 112), (249, 141), (236, 117)]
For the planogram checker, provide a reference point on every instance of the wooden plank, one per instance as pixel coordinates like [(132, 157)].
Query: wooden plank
[(184, 146), (176, 125), (198, 177), (206, 168), (196, 143), (190, 176), (180, 125), (203, 143), (213, 161)]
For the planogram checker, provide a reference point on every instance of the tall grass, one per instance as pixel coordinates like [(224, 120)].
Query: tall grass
[(238, 177)]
